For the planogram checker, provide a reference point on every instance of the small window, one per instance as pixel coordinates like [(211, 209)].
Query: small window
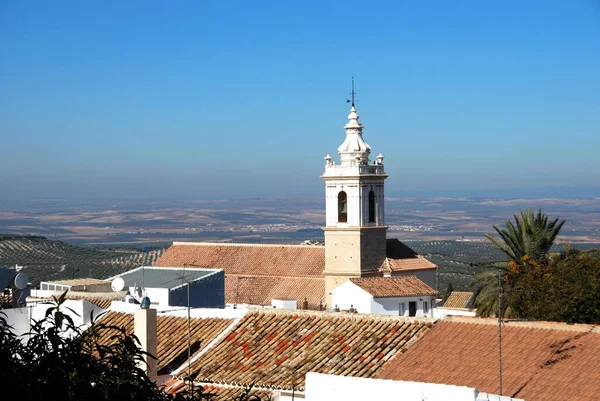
[(402, 309), (371, 207), (342, 207), (412, 308), (425, 307)]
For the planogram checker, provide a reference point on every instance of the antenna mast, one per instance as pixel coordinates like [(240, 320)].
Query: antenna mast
[(500, 329), (191, 386)]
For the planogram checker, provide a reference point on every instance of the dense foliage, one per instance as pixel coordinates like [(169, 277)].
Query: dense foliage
[(564, 288), (536, 283), (60, 361)]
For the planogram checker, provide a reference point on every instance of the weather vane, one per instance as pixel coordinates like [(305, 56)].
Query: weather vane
[(352, 94)]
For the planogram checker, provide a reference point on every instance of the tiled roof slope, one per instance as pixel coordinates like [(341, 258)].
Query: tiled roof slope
[(257, 273), (400, 257), (394, 286), (171, 334), (218, 393), (249, 259), (100, 299), (276, 260), (540, 361), (260, 290), (418, 263), (458, 299), (270, 348)]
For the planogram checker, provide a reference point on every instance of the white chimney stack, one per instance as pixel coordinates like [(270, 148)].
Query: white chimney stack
[(145, 331)]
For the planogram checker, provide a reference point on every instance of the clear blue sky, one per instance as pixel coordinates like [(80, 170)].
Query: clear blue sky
[(174, 99)]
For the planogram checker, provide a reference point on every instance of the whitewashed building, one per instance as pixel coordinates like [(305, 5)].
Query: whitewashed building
[(324, 387), (400, 296)]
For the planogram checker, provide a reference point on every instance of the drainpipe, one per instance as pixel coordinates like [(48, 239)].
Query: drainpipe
[(145, 331)]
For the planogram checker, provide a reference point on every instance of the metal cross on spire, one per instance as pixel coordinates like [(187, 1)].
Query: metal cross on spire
[(352, 94)]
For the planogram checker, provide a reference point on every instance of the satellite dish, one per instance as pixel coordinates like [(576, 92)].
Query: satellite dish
[(20, 281), (117, 284)]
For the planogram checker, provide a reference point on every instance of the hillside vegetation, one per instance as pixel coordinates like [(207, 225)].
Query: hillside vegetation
[(43, 259)]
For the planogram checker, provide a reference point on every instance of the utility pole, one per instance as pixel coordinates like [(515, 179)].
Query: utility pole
[(500, 329)]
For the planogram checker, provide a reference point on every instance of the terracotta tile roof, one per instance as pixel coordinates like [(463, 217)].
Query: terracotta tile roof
[(172, 335), (79, 281), (458, 299), (401, 257), (100, 299), (219, 393), (260, 290), (418, 263), (394, 286), (249, 259), (275, 348), (541, 361), (257, 273)]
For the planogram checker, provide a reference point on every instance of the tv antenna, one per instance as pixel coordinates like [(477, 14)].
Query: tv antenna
[(189, 338), (500, 291)]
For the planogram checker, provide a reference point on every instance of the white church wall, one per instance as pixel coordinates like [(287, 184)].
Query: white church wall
[(349, 295), (391, 305)]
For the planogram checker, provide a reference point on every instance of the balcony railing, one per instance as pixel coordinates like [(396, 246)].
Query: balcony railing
[(341, 170)]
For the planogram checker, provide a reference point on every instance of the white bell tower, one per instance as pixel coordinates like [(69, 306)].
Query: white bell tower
[(355, 230)]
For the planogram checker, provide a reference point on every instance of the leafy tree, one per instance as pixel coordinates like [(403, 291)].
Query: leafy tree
[(62, 361), (566, 289), (528, 240)]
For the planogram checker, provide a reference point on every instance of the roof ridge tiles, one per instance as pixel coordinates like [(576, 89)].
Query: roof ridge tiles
[(351, 315), (191, 243), (534, 324)]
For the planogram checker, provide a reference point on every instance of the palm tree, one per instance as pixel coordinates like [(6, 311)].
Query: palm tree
[(531, 238)]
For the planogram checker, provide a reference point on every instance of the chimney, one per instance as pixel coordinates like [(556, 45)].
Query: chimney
[(145, 331)]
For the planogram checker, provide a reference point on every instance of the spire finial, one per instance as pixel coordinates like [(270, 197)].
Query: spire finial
[(352, 94)]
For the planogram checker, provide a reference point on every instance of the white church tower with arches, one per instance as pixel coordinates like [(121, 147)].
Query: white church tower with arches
[(355, 230)]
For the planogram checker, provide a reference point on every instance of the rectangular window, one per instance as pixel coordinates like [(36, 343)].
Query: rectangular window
[(412, 308), (402, 309), (425, 307)]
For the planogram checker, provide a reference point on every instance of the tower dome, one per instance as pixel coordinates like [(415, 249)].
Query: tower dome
[(354, 149)]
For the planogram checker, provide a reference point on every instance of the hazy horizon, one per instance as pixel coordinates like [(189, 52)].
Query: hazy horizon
[(138, 100)]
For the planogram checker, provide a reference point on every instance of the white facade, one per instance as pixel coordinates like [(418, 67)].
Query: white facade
[(324, 387), (159, 297), (358, 179), (348, 295), (21, 319), (284, 303), (441, 312)]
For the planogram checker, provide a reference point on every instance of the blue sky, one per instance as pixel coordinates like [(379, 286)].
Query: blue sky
[(183, 100)]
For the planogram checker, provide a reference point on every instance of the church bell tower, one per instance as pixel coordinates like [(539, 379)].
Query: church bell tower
[(355, 230)]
